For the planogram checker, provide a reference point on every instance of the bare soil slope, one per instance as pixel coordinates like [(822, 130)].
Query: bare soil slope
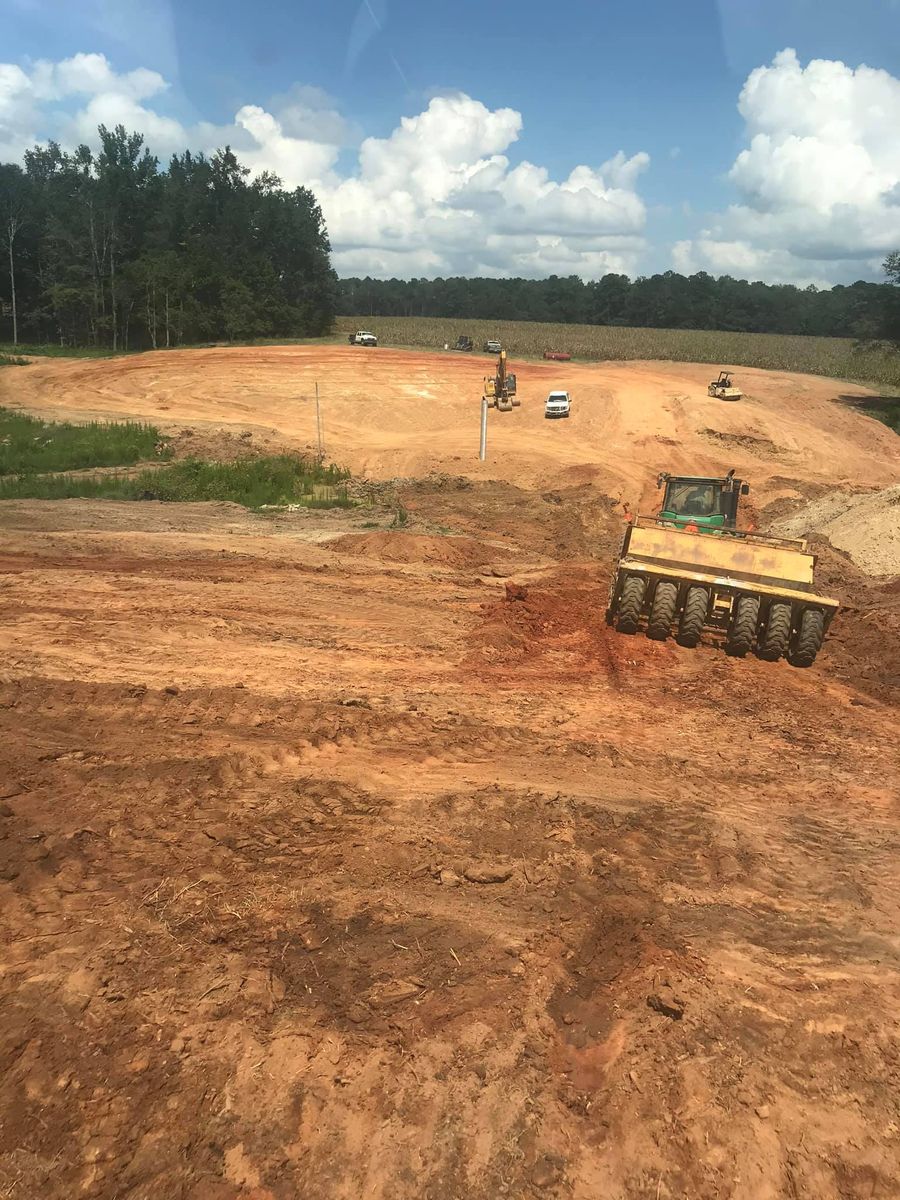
[(340, 861), (866, 526)]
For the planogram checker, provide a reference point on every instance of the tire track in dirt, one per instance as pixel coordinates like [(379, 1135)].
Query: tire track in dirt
[(242, 954)]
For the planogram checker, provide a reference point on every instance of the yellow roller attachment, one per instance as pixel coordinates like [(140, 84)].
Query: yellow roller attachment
[(722, 554)]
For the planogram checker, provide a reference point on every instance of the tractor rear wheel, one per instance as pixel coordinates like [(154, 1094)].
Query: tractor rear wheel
[(808, 639), (631, 601), (693, 616), (662, 610), (777, 633), (742, 631)]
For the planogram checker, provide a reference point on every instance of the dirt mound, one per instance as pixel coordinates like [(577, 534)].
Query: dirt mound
[(865, 526), (756, 445), (222, 445), (863, 642), (400, 547), (558, 627)]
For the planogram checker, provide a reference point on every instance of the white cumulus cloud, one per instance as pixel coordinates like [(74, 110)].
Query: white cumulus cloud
[(440, 195), (817, 181)]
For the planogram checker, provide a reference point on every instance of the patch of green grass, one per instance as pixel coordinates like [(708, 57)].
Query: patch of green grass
[(254, 483), (54, 350), (887, 410), (30, 445), (13, 360)]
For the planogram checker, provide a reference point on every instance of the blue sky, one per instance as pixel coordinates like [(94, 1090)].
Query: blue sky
[(588, 80)]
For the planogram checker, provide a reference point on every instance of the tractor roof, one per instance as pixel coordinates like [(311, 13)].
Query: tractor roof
[(672, 478)]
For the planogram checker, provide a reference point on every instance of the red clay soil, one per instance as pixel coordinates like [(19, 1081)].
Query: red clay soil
[(335, 876), (343, 862), (402, 547)]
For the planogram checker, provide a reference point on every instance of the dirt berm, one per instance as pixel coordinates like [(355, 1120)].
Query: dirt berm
[(866, 526)]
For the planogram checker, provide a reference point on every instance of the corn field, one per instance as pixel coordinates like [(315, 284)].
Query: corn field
[(839, 358)]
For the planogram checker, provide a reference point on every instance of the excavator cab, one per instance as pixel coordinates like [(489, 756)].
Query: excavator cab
[(700, 501)]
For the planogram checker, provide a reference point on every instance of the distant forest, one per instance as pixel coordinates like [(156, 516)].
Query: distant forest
[(108, 250), (668, 301)]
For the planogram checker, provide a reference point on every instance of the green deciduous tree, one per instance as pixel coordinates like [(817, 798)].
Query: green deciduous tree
[(13, 214), (107, 249), (891, 313), (667, 300)]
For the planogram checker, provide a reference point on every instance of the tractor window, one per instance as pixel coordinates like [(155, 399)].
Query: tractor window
[(694, 499)]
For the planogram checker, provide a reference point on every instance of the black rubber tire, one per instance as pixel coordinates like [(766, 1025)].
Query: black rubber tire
[(777, 634), (662, 611), (808, 638), (742, 631), (693, 616), (631, 601)]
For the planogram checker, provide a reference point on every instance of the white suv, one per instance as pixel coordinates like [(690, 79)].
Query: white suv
[(363, 338), (558, 405)]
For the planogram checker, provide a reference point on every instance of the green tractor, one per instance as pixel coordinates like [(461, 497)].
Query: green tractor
[(690, 569), (700, 501)]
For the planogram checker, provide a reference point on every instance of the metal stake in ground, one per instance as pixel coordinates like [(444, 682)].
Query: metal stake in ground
[(319, 438), (482, 450)]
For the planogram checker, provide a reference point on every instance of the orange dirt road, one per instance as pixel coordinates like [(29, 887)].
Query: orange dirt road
[(343, 861)]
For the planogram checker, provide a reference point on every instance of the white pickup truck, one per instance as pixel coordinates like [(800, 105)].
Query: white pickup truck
[(558, 404), (363, 338)]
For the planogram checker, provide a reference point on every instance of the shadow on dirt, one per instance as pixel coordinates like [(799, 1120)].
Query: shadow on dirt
[(883, 408)]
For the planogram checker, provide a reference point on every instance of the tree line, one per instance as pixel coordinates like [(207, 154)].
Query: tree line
[(106, 249), (668, 300)]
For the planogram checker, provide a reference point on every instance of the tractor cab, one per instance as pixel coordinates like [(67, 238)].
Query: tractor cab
[(700, 501)]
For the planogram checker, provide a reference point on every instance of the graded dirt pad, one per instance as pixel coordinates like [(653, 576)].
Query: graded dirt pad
[(340, 860), (391, 413)]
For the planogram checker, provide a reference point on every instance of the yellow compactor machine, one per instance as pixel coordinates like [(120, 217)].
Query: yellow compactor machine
[(691, 568)]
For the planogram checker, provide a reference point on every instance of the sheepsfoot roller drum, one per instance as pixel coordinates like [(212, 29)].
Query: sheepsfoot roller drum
[(677, 577)]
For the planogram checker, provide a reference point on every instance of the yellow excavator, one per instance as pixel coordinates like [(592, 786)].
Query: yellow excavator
[(500, 389), (690, 568)]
